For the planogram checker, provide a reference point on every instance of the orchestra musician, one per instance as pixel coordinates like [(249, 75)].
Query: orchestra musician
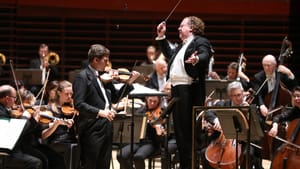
[(60, 133), (43, 64), (232, 75), (235, 92), (151, 56), (270, 72), (289, 115), (187, 67), (157, 79), (93, 99), (265, 80), (31, 143), (149, 145), (17, 158)]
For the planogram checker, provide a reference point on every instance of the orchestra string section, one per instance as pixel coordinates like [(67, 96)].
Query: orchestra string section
[(76, 123)]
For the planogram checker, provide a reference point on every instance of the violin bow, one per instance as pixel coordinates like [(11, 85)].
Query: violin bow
[(16, 83), (44, 87)]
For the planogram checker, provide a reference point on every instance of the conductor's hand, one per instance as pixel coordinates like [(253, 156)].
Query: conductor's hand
[(161, 29), (108, 114), (193, 59)]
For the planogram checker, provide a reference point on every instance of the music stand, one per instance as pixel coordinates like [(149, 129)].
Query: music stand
[(10, 131), (29, 76), (246, 117), (219, 86)]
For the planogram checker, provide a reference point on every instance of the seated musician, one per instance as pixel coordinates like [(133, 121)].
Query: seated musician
[(235, 93), (61, 130), (270, 72), (60, 133), (31, 143), (266, 80), (17, 158), (148, 146), (289, 115)]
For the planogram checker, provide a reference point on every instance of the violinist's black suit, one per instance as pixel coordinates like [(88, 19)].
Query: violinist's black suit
[(95, 133), (189, 95)]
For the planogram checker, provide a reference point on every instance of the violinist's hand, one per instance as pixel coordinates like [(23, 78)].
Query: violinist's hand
[(161, 29), (58, 122), (193, 59), (134, 76), (108, 114), (283, 69), (160, 131), (274, 130), (69, 123), (263, 110)]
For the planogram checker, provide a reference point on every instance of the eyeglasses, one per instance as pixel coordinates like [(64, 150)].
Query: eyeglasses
[(13, 97)]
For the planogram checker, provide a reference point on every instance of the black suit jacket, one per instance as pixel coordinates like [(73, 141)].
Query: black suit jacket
[(88, 99), (54, 74), (260, 77), (152, 82), (198, 71)]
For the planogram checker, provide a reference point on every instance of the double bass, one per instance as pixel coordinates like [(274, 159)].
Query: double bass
[(278, 97), (288, 155)]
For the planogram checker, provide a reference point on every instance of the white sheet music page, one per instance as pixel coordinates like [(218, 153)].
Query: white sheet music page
[(10, 131)]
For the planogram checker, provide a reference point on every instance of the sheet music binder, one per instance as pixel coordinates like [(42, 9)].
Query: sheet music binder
[(29, 76), (10, 131)]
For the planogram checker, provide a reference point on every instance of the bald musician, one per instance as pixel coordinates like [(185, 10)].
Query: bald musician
[(17, 158)]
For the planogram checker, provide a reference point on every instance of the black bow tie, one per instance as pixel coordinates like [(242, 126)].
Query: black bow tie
[(101, 73)]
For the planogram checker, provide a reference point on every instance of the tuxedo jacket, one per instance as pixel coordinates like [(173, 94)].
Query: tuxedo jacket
[(260, 77), (198, 71), (88, 99)]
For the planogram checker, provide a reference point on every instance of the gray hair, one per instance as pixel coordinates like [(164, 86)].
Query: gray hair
[(234, 85)]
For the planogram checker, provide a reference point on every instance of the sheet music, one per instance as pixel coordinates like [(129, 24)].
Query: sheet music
[(10, 131), (140, 90)]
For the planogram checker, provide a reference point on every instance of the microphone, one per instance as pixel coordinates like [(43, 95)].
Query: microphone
[(236, 123)]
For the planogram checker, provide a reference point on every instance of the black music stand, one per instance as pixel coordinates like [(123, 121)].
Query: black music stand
[(219, 86), (244, 116), (29, 76), (139, 92)]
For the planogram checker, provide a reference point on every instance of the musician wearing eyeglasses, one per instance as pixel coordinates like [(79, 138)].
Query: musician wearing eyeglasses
[(17, 159)]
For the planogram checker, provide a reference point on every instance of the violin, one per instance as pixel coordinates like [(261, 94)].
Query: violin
[(120, 74), (68, 109), (153, 115)]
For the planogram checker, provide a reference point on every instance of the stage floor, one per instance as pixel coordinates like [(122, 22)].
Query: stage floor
[(115, 164)]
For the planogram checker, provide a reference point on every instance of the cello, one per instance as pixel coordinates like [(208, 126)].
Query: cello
[(288, 155), (221, 153)]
